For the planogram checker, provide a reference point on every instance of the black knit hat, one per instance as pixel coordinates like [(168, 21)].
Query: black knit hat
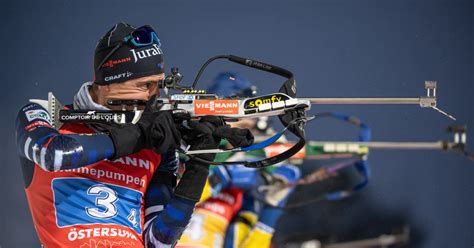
[(116, 61)]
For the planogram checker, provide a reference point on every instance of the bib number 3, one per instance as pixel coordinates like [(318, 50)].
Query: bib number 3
[(105, 199)]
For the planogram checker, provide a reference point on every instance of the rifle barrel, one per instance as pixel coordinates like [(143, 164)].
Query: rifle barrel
[(437, 145), (361, 100)]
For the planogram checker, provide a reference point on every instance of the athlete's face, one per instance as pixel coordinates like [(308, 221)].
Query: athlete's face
[(140, 89)]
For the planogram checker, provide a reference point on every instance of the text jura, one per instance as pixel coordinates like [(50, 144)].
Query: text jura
[(146, 53)]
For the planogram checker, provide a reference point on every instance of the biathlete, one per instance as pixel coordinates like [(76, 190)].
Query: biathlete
[(111, 185)]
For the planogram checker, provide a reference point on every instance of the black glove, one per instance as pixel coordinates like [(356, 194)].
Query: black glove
[(199, 135), (237, 137), (205, 134), (155, 130)]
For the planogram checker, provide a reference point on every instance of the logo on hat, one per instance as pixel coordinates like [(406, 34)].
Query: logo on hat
[(118, 76), (110, 63), (146, 53)]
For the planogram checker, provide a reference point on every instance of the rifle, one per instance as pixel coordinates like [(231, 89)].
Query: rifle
[(290, 109)]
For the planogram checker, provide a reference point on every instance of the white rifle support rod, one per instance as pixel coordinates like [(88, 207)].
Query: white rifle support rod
[(425, 101), (206, 151), (345, 145), (428, 101), (437, 145), (415, 101)]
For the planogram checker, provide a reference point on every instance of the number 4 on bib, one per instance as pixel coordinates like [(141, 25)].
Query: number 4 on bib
[(132, 217)]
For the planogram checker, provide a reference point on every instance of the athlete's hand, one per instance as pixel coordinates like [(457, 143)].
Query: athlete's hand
[(208, 132), (199, 135), (155, 129), (237, 137), (160, 131), (276, 194), (278, 187)]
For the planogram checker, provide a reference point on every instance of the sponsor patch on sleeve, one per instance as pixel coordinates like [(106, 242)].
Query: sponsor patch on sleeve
[(38, 114)]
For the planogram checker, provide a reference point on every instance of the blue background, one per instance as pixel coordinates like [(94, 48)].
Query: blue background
[(334, 47)]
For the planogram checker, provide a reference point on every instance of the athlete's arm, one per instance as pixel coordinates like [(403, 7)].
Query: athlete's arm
[(159, 193), (168, 213), (39, 142), (250, 232), (234, 176)]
